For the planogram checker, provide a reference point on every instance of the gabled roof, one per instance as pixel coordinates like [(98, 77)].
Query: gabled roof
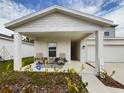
[(101, 21)]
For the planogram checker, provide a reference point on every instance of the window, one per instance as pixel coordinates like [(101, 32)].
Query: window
[(106, 33), (52, 49)]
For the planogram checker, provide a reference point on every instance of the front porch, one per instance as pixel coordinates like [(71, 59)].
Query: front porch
[(62, 43)]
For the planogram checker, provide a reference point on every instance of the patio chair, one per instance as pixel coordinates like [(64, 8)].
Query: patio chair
[(62, 58), (39, 57)]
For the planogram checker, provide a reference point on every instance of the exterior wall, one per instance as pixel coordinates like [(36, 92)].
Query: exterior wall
[(63, 46), (27, 49), (111, 33), (58, 22), (113, 50)]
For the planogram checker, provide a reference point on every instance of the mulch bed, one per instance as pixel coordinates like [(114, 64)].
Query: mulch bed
[(109, 81), (40, 82)]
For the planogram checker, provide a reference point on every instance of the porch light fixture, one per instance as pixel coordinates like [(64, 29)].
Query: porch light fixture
[(83, 46)]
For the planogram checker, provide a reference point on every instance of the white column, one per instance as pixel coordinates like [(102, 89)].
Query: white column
[(17, 51), (99, 51)]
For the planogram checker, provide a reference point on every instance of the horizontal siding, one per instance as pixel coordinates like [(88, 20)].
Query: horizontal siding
[(57, 22)]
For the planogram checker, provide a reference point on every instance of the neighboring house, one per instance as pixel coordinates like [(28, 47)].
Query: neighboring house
[(113, 50), (58, 30), (110, 33), (7, 47)]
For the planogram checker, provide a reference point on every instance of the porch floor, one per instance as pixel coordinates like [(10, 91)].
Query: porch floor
[(77, 65)]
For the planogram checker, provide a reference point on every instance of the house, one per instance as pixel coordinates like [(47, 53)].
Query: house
[(7, 47), (112, 53), (58, 30)]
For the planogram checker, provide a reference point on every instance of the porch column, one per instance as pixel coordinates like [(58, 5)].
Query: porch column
[(17, 51), (99, 51)]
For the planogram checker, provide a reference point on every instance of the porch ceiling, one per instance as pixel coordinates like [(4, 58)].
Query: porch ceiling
[(74, 36)]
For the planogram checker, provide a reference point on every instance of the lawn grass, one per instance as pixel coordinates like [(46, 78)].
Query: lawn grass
[(8, 64), (5, 64), (27, 61)]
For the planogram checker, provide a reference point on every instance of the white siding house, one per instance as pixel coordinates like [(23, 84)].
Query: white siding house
[(65, 28)]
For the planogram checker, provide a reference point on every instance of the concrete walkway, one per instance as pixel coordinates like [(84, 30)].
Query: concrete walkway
[(94, 85), (116, 90), (119, 70), (73, 64)]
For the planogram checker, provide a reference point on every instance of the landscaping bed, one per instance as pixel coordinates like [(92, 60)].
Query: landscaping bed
[(41, 82), (108, 80)]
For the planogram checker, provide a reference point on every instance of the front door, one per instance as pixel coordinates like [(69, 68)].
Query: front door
[(52, 52)]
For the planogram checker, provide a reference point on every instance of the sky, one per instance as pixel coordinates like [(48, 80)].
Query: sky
[(109, 9)]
